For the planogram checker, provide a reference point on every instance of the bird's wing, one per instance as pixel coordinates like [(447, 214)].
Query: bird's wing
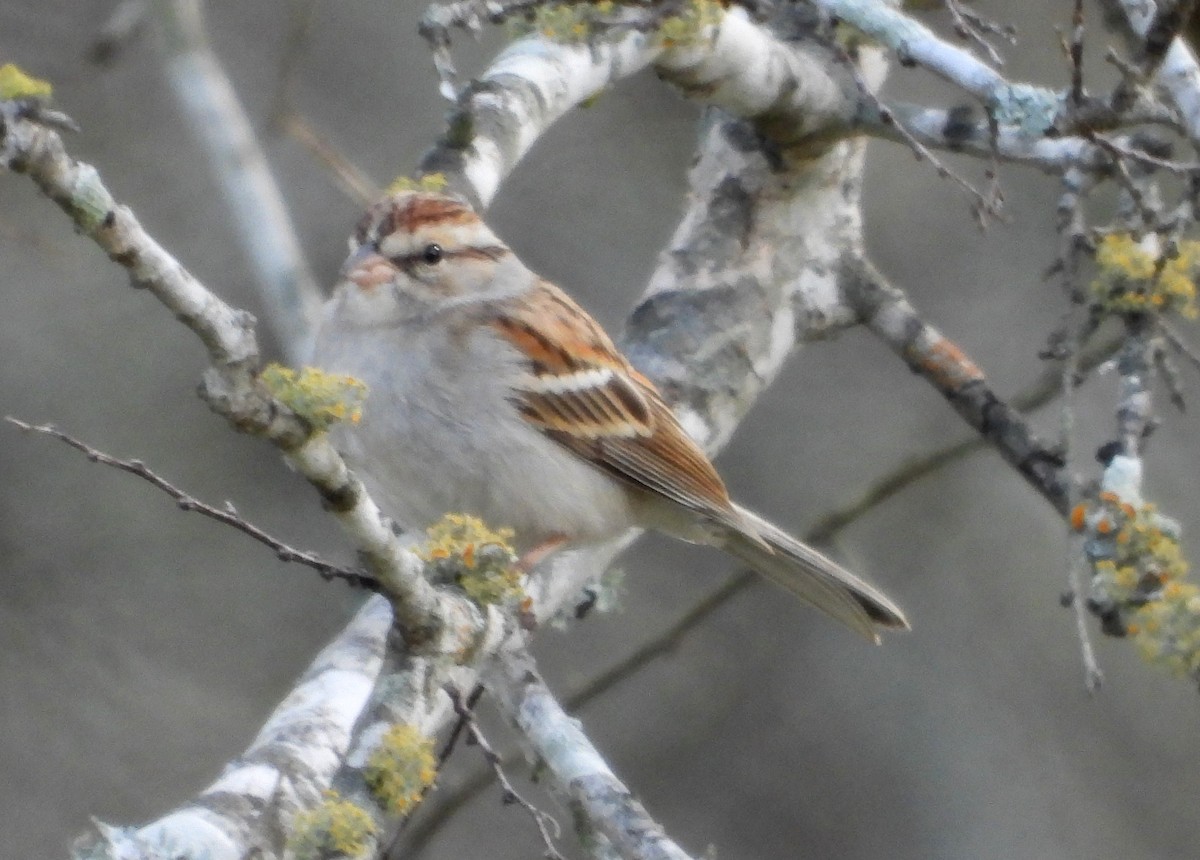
[(581, 392)]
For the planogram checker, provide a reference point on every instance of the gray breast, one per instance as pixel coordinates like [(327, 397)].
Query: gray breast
[(440, 433)]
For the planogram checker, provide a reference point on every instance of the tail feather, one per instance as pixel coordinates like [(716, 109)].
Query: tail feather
[(812, 577)]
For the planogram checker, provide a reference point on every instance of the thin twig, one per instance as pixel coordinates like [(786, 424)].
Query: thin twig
[(1078, 325), (227, 515), (1179, 344), (443, 756), (983, 205), (972, 26), (460, 724), (1093, 677), (1168, 371), (352, 179), (1120, 150), (1075, 54), (301, 20), (543, 820)]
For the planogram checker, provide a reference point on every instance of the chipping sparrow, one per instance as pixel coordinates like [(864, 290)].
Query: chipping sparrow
[(490, 392)]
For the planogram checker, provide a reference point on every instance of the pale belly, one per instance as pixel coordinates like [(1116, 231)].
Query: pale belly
[(432, 443)]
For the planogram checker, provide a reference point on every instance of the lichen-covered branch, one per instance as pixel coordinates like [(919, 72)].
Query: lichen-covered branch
[(579, 771), (748, 274), (1177, 70), (929, 353), (531, 84), (735, 63), (961, 129), (231, 385), (913, 42), (285, 769), (792, 90)]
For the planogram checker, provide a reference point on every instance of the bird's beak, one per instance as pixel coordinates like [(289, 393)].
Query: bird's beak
[(357, 257), (366, 268)]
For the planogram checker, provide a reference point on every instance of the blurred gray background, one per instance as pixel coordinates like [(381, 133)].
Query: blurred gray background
[(140, 648)]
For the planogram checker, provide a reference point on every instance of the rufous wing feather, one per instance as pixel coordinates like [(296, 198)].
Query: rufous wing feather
[(585, 395)]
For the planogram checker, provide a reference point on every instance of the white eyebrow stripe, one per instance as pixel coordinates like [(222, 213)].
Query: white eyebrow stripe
[(578, 381)]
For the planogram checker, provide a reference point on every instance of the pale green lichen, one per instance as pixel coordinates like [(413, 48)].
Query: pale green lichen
[(337, 828), (322, 399), (481, 560), (1029, 108), (90, 201), (401, 768)]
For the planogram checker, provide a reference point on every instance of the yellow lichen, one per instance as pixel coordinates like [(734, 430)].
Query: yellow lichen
[(481, 560), (335, 828), (578, 22), (16, 84), (401, 769), (1139, 570), (1134, 279), (435, 182), (322, 399), (693, 23)]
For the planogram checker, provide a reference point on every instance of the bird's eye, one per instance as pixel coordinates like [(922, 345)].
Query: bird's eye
[(432, 253)]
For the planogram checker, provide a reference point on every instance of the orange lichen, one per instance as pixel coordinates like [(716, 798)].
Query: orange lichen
[(947, 365), (480, 559), (1139, 571)]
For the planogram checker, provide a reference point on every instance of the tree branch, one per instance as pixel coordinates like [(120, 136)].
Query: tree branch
[(943, 364), (557, 741), (1034, 108), (287, 767), (544, 822), (231, 386), (1178, 72), (186, 502), (262, 223)]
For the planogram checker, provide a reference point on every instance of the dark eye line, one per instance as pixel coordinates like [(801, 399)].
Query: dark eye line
[(422, 257)]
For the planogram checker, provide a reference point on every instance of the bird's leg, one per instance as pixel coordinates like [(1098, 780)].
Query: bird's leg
[(540, 552)]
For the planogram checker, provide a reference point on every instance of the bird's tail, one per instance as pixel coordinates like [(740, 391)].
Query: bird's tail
[(812, 577)]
